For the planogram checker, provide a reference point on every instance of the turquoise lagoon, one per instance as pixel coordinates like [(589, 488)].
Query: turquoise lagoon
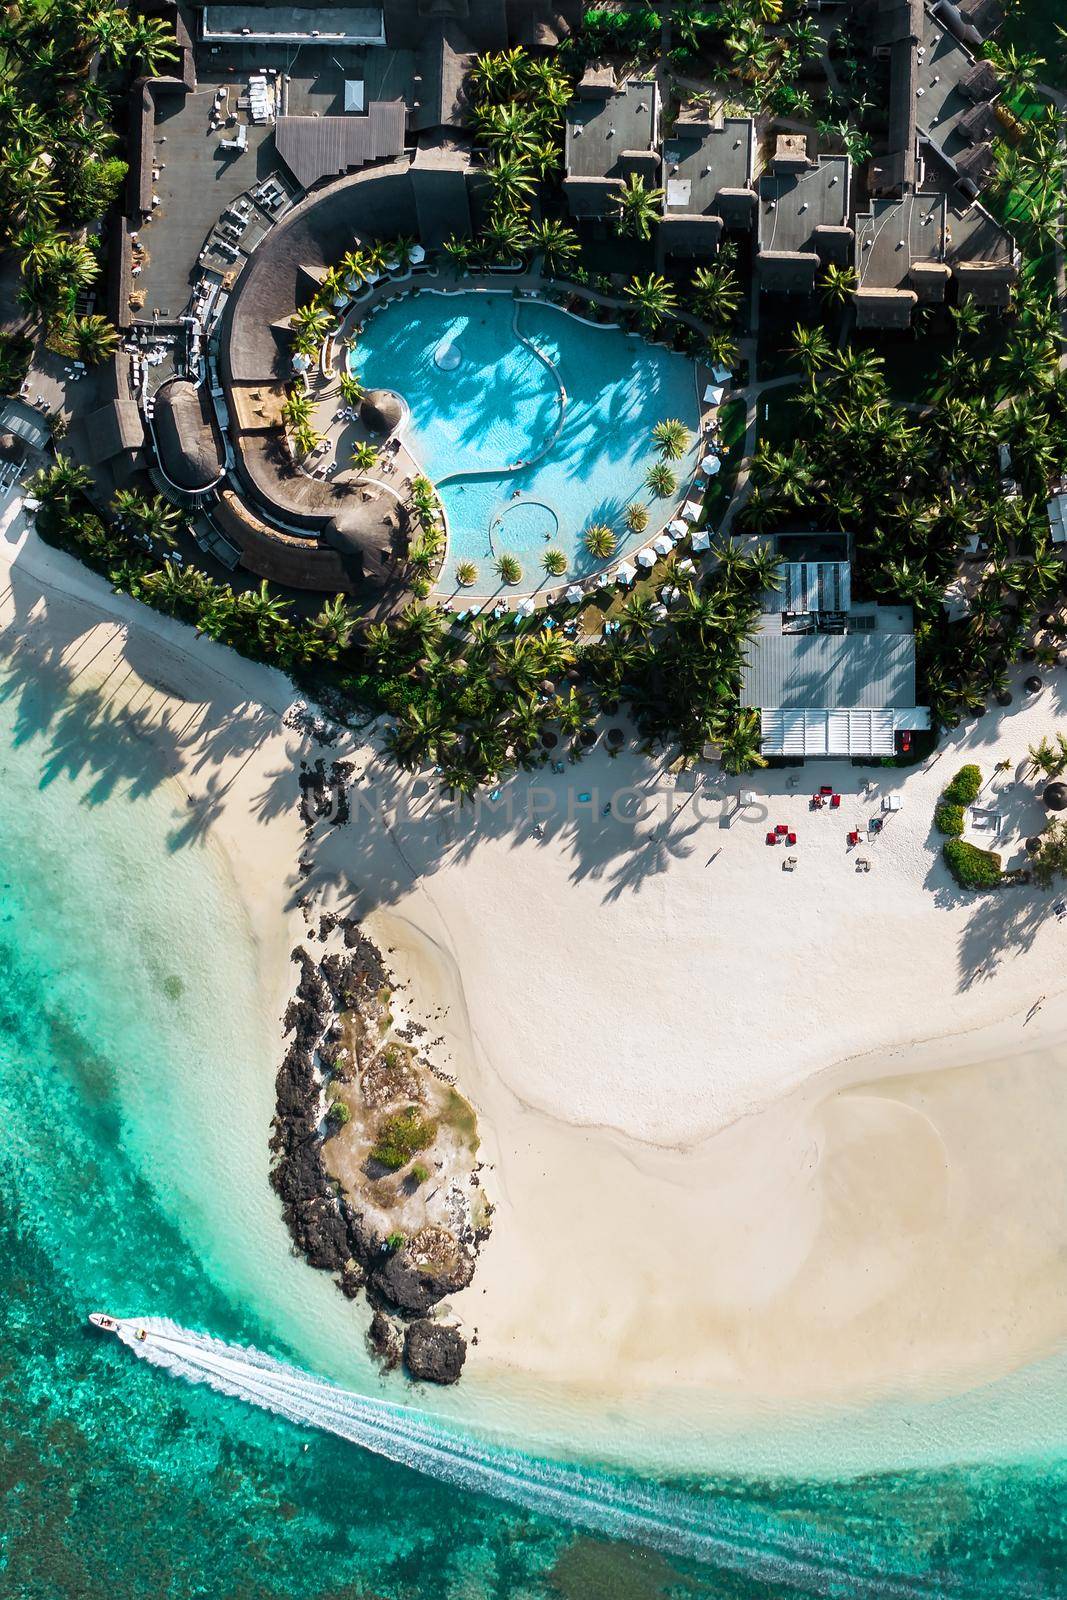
[(135, 1093), (490, 382)]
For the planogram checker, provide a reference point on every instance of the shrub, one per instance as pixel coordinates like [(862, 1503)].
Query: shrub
[(466, 574), (972, 868), (965, 786), (509, 569), (419, 1173), (1050, 862), (554, 563), (395, 1241), (948, 818), (338, 1114), (600, 541), (637, 518), (402, 1136)]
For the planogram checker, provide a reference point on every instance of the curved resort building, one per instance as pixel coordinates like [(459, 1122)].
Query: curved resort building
[(330, 131)]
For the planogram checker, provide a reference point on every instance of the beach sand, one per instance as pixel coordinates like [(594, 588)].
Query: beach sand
[(783, 1139)]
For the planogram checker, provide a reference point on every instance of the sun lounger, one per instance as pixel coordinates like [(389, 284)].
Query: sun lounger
[(789, 864)]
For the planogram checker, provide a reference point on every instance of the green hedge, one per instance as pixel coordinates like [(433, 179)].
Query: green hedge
[(972, 868), (402, 1136), (948, 818), (965, 786)]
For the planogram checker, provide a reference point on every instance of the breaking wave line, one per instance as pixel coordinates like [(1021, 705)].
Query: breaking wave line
[(703, 1527)]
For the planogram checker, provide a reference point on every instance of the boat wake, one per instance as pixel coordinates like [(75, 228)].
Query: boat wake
[(727, 1533)]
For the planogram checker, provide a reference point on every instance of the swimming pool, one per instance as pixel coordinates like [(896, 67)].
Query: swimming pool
[(528, 442)]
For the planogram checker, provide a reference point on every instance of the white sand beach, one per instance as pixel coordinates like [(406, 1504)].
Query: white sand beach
[(779, 1137)]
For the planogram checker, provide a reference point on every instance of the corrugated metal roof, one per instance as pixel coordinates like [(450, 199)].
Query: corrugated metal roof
[(795, 670), (816, 586)]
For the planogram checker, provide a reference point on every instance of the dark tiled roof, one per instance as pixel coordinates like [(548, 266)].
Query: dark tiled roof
[(314, 148)]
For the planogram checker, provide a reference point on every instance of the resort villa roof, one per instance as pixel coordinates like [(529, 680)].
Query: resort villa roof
[(189, 451), (314, 148), (266, 24), (803, 218), (610, 133), (844, 694), (707, 183), (900, 258)]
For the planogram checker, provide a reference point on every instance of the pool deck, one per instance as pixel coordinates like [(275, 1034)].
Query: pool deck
[(399, 466)]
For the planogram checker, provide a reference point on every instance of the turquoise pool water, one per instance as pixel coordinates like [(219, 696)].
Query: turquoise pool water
[(578, 409)]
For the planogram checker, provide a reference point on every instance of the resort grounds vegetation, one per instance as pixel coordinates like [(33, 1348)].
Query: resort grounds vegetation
[(64, 64), (402, 1135), (949, 818), (965, 787), (1049, 860), (971, 867)]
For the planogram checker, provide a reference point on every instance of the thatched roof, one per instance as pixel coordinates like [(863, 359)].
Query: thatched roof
[(1055, 796), (381, 411), (189, 451)]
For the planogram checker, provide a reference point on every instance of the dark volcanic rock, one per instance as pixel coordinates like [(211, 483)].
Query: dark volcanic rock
[(433, 1352), (413, 1287), (383, 1339), (352, 1280), (319, 1229)]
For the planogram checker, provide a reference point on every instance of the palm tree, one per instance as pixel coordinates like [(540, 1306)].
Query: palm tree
[(672, 436), (149, 515), (466, 574), (95, 338), (810, 347), (333, 624), (508, 569), (637, 517), (555, 240), (510, 130), (498, 75), (637, 614), (511, 183), (60, 483), (1014, 69), (741, 744), (351, 388), (717, 294), (652, 298), (661, 480), (311, 321), (151, 45), (554, 563), (838, 285), (505, 236), (364, 457), (637, 207), (600, 541)]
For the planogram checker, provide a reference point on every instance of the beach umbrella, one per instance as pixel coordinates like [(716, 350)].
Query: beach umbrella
[(691, 510), (678, 528), (672, 595), (663, 545), (574, 594), (710, 466), (645, 559), (1033, 684), (616, 736), (549, 740), (659, 613), (701, 540), (624, 573), (526, 608), (1055, 796), (588, 736), (418, 255), (686, 565)]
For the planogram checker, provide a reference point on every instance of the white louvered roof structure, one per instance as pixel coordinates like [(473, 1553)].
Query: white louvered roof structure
[(842, 731)]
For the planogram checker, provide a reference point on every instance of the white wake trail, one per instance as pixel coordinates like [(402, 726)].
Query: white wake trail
[(712, 1529)]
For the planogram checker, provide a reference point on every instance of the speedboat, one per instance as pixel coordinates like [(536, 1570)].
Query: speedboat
[(100, 1319)]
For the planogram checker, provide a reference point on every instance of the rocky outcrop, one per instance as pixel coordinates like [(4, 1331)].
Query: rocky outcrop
[(384, 1341), (335, 1022), (417, 1276), (434, 1352)]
